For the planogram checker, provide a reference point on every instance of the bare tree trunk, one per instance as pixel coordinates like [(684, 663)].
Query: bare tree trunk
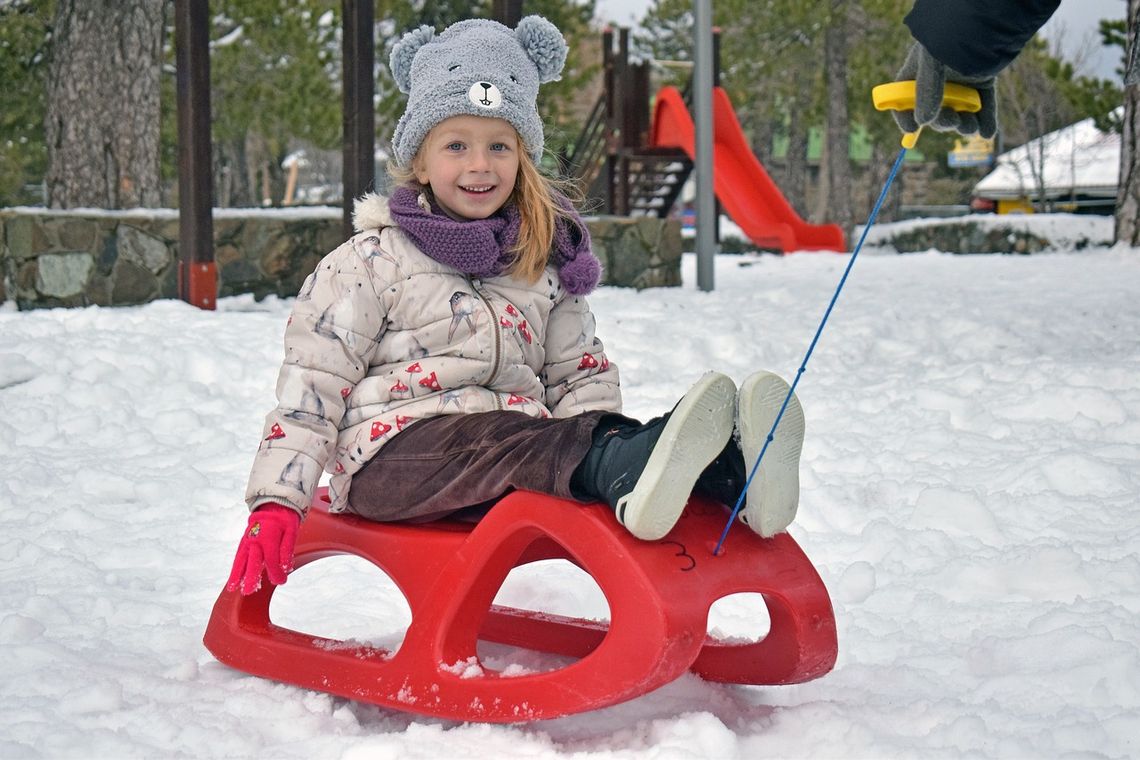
[(102, 122), (796, 173), (1037, 169), (762, 135), (796, 185), (823, 186), (1128, 194), (835, 182), (871, 181), (231, 174)]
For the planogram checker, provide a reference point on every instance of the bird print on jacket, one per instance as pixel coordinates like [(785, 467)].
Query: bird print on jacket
[(370, 249), (306, 292), (310, 408), (335, 321), (462, 309), (451, 397), (293, 476)]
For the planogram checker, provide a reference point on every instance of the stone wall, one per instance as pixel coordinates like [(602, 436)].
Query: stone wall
[(991, 233), (51, 258), (967, 237), (641, 252)]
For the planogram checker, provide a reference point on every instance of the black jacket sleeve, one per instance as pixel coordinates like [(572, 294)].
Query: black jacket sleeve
[(977, 37)]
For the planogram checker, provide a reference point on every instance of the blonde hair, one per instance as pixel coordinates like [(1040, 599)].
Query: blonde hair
[(537, 197)]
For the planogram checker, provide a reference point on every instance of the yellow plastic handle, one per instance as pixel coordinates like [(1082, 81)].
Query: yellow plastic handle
[(899, 96)]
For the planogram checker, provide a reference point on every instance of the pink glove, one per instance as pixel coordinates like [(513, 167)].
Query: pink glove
[(267, 544)]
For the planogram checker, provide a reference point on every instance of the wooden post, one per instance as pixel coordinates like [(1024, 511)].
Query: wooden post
[(507, 12), (638, 119), (197, 273), (610, 84), (291, 182), (621, 101), (359, 120)]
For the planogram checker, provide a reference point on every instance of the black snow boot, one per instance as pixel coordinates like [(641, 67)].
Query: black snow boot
[(723, 480), (647, 472)]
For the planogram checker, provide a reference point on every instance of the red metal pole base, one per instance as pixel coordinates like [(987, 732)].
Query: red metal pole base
[(198, 284)]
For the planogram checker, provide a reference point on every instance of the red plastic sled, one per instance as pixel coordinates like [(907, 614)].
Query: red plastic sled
[(659, 594)]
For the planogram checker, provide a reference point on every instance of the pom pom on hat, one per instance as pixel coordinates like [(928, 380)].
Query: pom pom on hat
[(404, 51), (544, 44)]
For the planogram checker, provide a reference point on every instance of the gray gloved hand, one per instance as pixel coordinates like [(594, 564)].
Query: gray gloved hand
[(930, 77)]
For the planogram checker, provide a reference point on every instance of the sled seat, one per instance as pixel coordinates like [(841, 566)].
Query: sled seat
[(659, 594)]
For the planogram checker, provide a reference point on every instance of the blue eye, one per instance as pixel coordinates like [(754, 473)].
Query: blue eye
[(499, 147), (454, 146)]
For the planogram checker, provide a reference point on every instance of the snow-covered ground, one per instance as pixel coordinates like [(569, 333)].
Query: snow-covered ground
[(971, 497)]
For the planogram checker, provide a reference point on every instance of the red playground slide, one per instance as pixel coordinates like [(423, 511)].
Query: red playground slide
[(744, 188)]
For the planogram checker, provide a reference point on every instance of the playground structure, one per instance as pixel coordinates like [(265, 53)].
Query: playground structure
[(631, 164)]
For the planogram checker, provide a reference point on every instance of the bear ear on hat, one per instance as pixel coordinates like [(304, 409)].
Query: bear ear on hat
[(404, 51), (544, 44)]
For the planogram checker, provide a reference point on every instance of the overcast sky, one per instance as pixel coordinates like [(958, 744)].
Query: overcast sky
[(1076, 21)]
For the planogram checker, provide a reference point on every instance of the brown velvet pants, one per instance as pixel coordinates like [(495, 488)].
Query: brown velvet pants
[(440, 466)]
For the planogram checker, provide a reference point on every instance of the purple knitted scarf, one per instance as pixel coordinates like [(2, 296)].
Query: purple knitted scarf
[(482, 247)]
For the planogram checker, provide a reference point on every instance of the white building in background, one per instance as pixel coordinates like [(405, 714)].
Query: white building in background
[(1078, 168)]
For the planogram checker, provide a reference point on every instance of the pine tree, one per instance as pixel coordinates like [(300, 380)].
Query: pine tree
[(102, 122), (275, 72), (25, 35)]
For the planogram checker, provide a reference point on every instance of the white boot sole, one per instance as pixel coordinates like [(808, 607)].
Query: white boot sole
[(697, 430), (774, 495)]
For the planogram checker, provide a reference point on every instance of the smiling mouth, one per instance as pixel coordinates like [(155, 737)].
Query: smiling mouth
[(477, 189)]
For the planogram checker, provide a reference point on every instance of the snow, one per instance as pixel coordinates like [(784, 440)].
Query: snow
[(970, 486), (229, 38), (1078, 159)]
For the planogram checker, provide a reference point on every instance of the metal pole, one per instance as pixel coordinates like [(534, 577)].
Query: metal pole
[(703, 122), (197, 272), (359, 121)]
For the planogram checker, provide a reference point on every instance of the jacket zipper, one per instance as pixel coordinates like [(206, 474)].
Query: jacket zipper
[(496, 357)]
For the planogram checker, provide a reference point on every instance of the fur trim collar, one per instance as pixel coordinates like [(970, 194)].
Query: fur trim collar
[(371, 212)]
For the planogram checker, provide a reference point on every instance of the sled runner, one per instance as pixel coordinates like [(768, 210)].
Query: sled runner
[(659, 594)]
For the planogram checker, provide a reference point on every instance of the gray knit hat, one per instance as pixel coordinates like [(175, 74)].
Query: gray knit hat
[(476, 67)]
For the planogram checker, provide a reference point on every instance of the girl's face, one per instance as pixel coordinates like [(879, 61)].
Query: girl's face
[(471, 163)]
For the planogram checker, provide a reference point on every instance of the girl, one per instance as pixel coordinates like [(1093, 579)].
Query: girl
[(445, 355)]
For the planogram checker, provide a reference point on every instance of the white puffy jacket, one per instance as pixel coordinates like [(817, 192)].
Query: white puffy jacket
[(382, 335)]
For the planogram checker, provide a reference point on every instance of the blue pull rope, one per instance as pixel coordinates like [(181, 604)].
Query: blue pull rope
[(811, 348)]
